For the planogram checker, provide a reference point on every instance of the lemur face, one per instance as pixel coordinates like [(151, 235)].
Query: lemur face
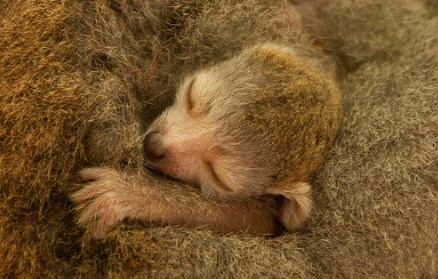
[(201, 139)]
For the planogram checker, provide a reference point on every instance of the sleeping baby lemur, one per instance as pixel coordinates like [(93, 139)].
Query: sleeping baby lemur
[(258, 124)]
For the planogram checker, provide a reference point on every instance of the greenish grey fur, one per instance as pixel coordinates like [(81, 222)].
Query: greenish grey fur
[(72, 71)]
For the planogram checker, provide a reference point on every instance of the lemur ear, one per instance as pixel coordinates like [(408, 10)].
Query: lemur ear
[(288, 17), (297, 203)]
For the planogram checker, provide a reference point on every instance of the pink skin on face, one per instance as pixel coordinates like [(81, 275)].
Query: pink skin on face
[(200, 140), (184, 152), (182, 144)]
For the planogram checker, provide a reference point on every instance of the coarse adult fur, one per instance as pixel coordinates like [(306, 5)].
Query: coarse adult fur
[(71, 70)]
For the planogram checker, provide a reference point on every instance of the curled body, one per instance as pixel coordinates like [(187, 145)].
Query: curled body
[(250, 132), (260, 123)]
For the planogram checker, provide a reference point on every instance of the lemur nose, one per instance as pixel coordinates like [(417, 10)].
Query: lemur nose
[(152, 147)]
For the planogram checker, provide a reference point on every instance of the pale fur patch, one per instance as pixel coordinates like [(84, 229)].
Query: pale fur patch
[(190, 142)]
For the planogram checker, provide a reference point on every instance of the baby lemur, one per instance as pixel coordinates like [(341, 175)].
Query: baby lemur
[(257, 124)]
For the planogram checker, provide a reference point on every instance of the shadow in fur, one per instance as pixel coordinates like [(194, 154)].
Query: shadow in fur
[(80, 72)]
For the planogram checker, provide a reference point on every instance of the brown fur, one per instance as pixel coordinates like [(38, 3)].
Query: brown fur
[(260, 122), (72, 70)]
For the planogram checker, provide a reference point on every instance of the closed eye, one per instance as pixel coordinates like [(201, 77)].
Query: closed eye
[(193, 102), (215, 178), (189, 100)]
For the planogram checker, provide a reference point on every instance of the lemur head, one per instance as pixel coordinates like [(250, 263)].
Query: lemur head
[(201, 138), (230, 125)]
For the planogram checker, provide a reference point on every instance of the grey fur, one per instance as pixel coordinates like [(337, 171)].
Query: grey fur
[(71, 67)]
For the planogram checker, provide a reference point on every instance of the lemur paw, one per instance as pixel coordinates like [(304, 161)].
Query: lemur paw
[(100, 204)]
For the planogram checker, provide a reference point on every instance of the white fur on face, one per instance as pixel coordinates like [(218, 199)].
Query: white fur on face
[(204, 144)]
